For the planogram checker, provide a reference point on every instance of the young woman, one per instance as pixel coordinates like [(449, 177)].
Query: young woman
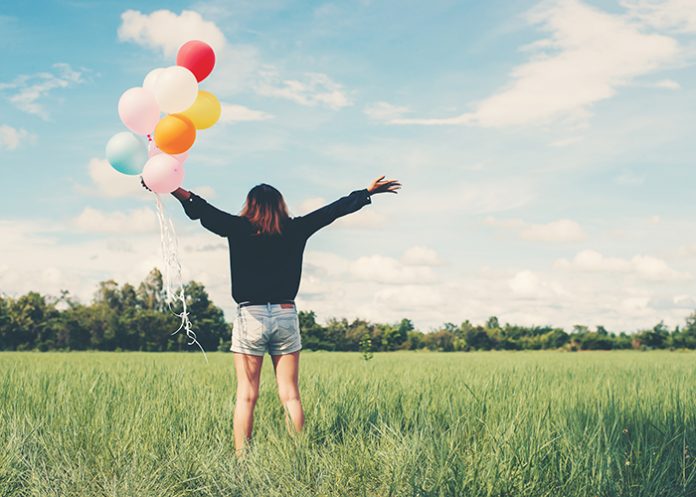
[(266, 247)]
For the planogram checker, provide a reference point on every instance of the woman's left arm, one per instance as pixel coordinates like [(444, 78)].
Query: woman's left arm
[(324, 216), (219, 222)]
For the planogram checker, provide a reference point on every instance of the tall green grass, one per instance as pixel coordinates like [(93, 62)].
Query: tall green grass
[(407, 424)]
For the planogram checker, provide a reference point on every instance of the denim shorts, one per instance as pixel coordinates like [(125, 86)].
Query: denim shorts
[(258, 329)]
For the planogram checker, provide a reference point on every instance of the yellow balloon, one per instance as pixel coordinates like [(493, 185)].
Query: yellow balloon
[(205, 111)]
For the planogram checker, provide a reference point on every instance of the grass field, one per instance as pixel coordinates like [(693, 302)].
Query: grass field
[(405, 423)]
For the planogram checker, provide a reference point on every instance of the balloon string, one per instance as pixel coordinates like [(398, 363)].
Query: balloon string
[(172, 279)]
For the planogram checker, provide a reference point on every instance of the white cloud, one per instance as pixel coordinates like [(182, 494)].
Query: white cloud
[(678, 15), (668, 84), (654, 269), (472, 197), (688, 250), (591, 260), (107, 182), (232, 113), (588, 55), (529, 285), (11, 138), (166, 31), (562, 230), (525, 283), (28, 91), (376, 287), (315, 89), (207, 192), (382, 269), (421, 256), (365, 218), (384, 111), (143, 220), (408, 299), (643, 266), (415, 267)]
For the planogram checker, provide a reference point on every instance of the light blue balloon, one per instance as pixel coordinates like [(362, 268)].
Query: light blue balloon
[(127, 153)]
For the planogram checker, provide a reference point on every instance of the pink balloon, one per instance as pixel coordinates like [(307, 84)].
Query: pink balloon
[(138, 110), (153, 149), (163, 173)]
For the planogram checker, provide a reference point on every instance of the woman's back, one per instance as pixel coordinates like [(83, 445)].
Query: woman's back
[(266, 267)]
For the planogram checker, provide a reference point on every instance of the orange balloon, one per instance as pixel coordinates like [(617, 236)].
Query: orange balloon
[(175, 134)]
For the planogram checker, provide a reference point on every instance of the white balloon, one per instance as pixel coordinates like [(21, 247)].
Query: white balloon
[(176, 89), (151, 79)]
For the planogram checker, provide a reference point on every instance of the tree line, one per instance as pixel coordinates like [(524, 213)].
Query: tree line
[(127, 317)]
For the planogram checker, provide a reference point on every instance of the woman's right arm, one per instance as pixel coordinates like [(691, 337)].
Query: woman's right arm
[(181, 194), (219, 222)]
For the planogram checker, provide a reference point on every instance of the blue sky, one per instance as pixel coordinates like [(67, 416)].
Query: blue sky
[(546, 151)]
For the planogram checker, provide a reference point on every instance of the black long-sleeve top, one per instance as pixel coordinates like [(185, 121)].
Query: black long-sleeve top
[(267, 268)]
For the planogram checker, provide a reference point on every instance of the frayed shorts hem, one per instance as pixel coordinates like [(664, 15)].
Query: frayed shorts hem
[(271, 352), (248, 352), (285, 352)]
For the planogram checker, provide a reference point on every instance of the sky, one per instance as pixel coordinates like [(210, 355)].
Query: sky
[(546, 152)]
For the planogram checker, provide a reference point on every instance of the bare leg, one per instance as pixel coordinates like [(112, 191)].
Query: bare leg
[(248, 369), (287, 374)]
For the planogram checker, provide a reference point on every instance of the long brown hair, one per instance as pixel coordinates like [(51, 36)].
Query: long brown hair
[(265, 209)]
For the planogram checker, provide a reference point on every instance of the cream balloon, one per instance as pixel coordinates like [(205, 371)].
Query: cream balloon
[(151, 79), (176, 89)]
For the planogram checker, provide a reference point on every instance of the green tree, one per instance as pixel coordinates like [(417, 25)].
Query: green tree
[(685, 337), (312, 333), (441, 340), (395, 336), (654, 338), (492, 323), (150, 293)]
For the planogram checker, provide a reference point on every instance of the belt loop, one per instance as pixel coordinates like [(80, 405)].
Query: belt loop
[(268, 307)]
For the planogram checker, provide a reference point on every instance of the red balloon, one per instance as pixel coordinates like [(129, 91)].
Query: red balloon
[(197, 57)]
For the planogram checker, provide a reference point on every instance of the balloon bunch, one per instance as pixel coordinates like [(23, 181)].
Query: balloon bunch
[(173, 91), (160, 159)]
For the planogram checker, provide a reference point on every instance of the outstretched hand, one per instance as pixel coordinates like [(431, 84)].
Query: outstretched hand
[(381, 185)]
